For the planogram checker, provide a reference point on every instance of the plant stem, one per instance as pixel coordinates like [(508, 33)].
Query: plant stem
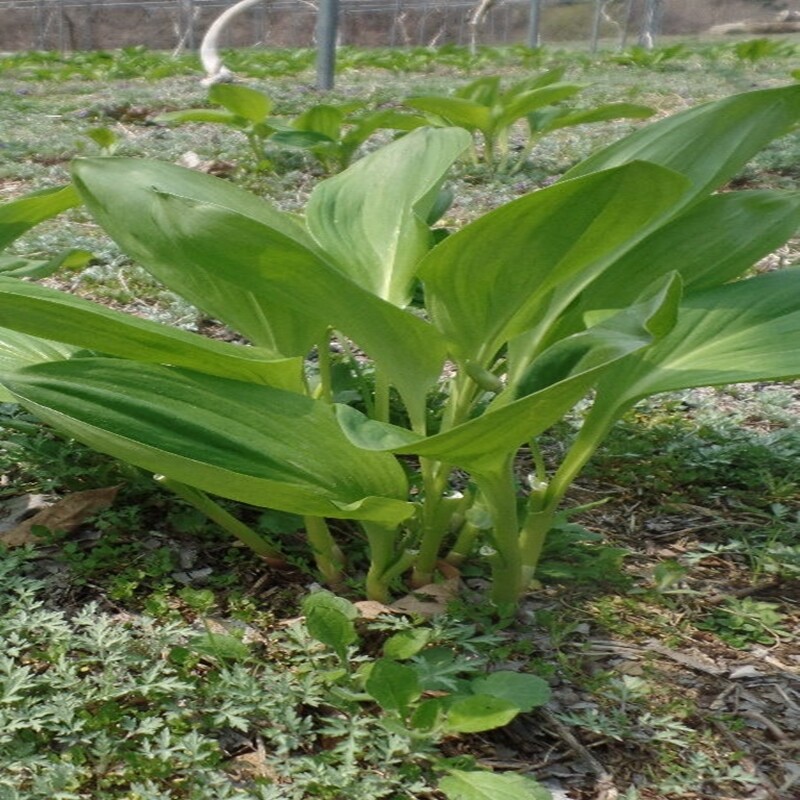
[(385, 564), (463, 544), (540, 468), (215, 512), (366, 395), (500, 496), (324, 364), (543, 505), (437, 512), (327, 555)]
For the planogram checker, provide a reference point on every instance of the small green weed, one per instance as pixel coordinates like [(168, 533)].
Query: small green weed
[(742, 622), (121, 706)]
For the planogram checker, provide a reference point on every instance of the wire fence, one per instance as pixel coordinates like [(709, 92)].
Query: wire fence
[(67, 25)]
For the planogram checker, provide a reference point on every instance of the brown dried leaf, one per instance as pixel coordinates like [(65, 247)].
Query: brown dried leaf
[(65, 515), (372, 609), (253, 765), (429, 600)]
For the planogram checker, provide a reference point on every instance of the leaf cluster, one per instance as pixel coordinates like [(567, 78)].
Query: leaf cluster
[(620, 281)]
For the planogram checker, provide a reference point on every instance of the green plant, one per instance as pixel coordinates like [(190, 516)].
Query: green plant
[(482, 107), (106, 139), (755, 50), (243, 109), (122, 706), (333, 133), (19, 216), (618, 282), (648, 59), (467, 702), (745, 621)]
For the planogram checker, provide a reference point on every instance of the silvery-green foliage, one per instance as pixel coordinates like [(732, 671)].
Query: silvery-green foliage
[(95, 703)]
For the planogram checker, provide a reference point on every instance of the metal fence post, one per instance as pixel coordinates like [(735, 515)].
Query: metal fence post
[(534, 37), (327, 25), (595, 37)]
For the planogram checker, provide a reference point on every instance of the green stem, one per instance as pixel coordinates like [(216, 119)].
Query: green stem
[(500, 495), (385, 564), (488, 149), (325, 390), (437, 512), (363, 388), (463, 392), (465, 542), (215, 512), (540, 468), (256, 145), (544, 503), (327, 555), (524, 154)]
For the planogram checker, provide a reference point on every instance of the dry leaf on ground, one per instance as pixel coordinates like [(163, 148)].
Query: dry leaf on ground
[(433, 598), (64, 515)]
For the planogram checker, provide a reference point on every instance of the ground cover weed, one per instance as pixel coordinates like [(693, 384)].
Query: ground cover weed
[(122, 706), (742, 622), (584, 320)]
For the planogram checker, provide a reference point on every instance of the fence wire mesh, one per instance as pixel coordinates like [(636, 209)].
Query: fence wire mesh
[(179, 24)]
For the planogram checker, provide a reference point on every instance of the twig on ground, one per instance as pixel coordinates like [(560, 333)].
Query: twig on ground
[(606, 790)]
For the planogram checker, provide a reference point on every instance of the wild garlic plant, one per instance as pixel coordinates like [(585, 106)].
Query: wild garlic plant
[(628, 277)]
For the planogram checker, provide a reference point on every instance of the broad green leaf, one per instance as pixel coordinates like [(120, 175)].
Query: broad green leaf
[(391, 119), (536, 82), (322, 119), (215, 115), (479, 712), (408, 350), (183, 238), (527, 102), (40, 311), (426, 715), (250, 443), (329, 619), (713, 242), (484, 91), (375, 230), (104, 137), (553, 119), (19, 350), (406, 644), (462, 785), (303, 140), (393, 686), (325, 599), (489, 281), (241, 100), (220, 646), (708, 143), (454, 111), (557, 380), (525, 692), (128, 196), (21, 215), (13, 267), (744, 331)]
